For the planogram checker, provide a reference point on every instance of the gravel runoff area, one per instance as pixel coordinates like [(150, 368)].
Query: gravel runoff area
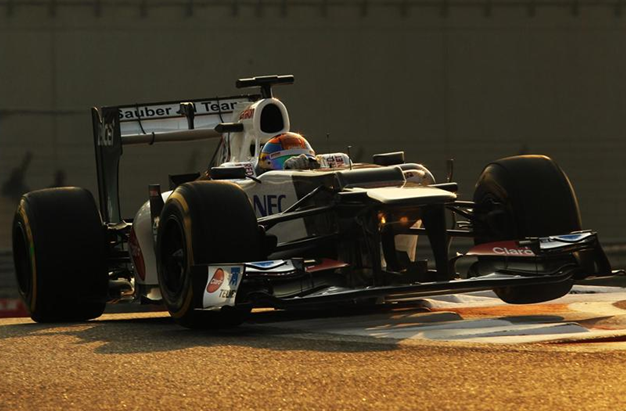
[(144, 361)]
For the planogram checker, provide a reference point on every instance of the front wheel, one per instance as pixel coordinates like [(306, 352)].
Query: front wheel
[(525, 196), (203, 222)]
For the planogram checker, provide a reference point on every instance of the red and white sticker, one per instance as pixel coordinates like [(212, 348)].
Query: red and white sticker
[(246, 114), (136, 254), (502, 248), (222, 284), (216, 281)]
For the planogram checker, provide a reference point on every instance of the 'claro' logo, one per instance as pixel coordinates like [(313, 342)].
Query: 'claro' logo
[(513, 251), (216, 281)]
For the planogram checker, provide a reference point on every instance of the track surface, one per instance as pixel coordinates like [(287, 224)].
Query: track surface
[(145, 361)]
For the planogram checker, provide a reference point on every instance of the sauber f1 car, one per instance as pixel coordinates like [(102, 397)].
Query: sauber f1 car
[(240, 235)]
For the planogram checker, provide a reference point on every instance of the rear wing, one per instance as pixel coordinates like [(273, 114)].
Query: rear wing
[(172, 121)]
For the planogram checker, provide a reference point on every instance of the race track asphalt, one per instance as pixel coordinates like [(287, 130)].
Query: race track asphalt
[(144, 361)]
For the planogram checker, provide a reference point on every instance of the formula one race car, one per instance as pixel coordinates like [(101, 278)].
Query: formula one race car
[(272, 224)]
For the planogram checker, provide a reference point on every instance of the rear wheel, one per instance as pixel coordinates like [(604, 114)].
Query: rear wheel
[(59, 250), (203, 222), (526, 196)]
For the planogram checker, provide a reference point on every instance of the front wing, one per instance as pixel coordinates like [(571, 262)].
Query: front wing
[(220, 282)]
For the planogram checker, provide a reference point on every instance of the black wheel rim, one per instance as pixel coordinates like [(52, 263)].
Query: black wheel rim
[(498, 219), (174, 257), (21, 258)]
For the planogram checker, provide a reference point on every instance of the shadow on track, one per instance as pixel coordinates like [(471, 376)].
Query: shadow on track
[(128, 333)]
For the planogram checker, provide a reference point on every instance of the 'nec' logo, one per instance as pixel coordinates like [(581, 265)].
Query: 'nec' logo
[(106, 138), (268, 204)]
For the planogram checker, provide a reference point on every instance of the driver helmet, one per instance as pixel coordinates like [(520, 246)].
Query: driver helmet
[(282, 147)]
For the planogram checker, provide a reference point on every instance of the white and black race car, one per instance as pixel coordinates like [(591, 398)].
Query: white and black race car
[(232, 238)]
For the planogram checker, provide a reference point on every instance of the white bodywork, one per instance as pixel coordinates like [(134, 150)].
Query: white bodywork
[(273, 192), (249, 115), (143, 252)]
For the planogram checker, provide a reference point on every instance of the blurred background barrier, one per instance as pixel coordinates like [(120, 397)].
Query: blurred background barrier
[(10, 303)]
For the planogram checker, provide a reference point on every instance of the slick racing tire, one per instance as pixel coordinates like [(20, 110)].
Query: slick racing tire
[(536, 199), (203, 222), (59, 251)]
